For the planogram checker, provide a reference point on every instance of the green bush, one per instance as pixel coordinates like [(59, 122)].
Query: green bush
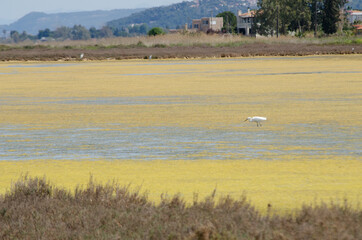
[(156, 31)]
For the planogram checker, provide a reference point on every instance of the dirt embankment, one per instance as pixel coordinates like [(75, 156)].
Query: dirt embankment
[(253, 49)]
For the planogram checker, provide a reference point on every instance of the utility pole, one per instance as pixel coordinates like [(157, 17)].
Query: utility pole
[(315, 19), (227, 22), (278, 21)]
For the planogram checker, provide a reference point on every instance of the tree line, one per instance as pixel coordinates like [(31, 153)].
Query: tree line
[(273, 17), (79, 32), (283, 16)]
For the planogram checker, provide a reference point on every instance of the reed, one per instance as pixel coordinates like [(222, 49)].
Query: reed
[(187, 40)]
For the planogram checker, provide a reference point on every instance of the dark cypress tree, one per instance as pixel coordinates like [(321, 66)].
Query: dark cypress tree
[(331, 15), (230, 21)]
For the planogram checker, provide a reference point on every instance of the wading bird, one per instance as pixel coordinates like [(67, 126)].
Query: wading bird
[(256, 119)]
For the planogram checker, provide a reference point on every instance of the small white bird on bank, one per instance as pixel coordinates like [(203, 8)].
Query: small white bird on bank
[(256, 119)]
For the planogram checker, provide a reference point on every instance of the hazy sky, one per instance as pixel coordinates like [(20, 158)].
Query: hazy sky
[(12, 10)]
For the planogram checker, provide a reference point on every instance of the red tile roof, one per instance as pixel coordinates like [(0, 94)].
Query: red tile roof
[(248, 14), (354, 12)]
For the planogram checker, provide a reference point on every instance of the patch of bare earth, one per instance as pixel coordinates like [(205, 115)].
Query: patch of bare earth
[(247, 50)]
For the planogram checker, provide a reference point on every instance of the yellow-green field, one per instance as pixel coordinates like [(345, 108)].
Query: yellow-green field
[(285, 185), (177, 126)]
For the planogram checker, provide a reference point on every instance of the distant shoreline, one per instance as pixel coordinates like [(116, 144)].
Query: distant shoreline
[(41, 53)]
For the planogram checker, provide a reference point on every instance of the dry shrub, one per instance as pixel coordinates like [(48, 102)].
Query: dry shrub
[(34, 209), (186, 39), (194, 39), (188, 45)]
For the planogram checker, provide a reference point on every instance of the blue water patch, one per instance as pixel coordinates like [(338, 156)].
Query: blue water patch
[(8, 73), (162, 100), (149, 100), (42, 65), (302, 73), (157, 74), (186, 143)]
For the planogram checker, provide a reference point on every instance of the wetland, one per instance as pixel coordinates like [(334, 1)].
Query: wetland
[(176, 126)]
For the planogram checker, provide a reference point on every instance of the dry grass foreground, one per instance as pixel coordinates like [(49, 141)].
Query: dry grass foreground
[(34, 209)]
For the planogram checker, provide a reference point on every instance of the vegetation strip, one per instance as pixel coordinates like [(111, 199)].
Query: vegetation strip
[(44, 53), (286, 184), (35, 209)]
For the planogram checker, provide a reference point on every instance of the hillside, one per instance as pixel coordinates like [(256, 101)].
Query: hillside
[(35, 21), (355, 4), (178, 14)]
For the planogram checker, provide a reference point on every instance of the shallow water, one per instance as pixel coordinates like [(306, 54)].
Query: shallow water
[(187, 143), (160, 110), (177, 126)]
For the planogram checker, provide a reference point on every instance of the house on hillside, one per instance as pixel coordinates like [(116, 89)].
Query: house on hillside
[(245, 22), (354, 16), (207, 24)]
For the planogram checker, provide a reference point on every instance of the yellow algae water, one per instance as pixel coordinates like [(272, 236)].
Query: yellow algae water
[(285, 185), (177, 126), (208, 93)]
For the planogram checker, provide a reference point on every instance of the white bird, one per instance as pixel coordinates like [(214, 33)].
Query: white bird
[(256, 119), (81, 56)]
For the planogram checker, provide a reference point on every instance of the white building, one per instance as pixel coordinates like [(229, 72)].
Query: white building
[(206, 24), (245, 22), (354, 16)]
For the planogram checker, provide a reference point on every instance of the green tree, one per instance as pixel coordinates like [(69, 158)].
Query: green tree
[(62, 33), (316, 14), (93, 32), (331, 15), (143, 29), (156, 31), (105, 32), (78, 32), (134, 30), (44, 33), (281, 16), (265, 17), (229, 20), (14, 35), (300, 19), (23, 36)]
